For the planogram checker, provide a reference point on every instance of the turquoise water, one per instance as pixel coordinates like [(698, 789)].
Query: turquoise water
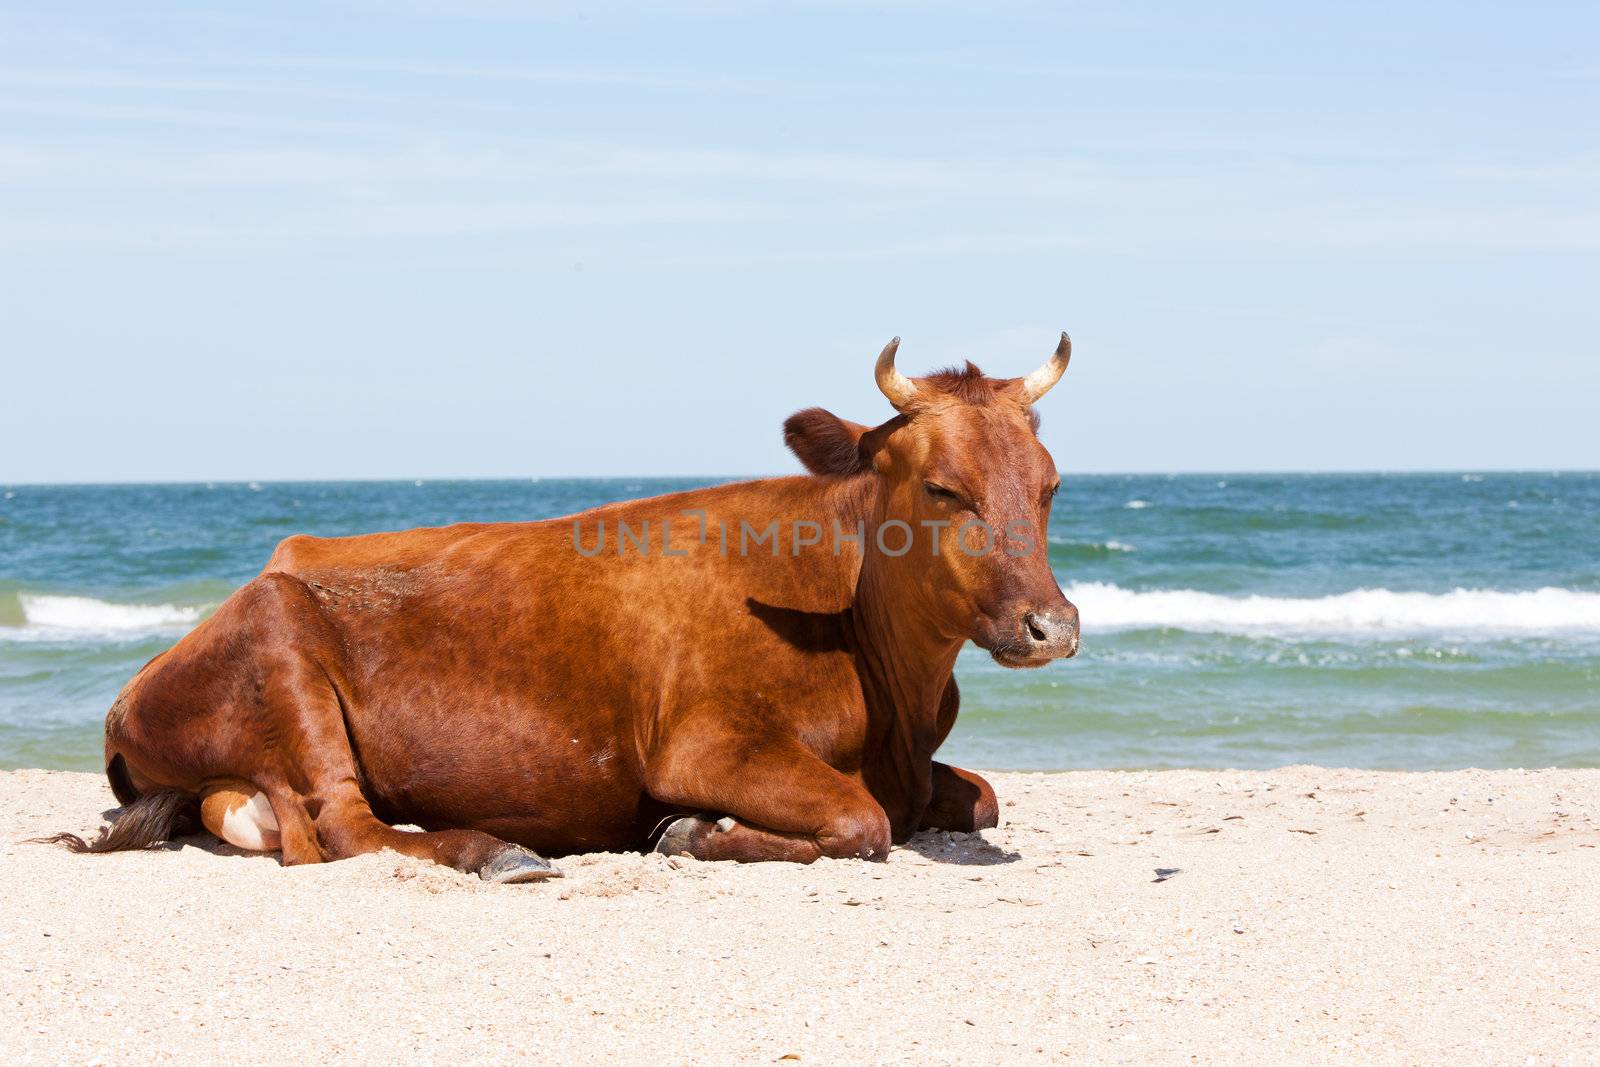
[(1411, 621)]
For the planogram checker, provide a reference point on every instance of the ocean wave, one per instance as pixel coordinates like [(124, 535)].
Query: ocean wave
[(1090, 548), (55, 617), (1465, 611), (1104, 607)]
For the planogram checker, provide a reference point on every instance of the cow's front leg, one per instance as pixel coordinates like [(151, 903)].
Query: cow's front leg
[(766, 801), (961, 801)]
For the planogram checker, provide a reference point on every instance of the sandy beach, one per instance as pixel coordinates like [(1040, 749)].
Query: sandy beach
[(1315, 914)]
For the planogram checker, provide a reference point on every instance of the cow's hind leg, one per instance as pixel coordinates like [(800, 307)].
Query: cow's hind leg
[(307, 709), (250, 719), (780, 802)]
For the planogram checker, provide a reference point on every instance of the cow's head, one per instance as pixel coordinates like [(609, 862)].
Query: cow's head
[(962, 471)]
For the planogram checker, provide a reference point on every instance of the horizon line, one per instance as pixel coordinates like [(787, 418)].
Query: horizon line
[(725, 478)]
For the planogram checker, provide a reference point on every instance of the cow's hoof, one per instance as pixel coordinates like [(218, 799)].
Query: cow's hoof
[(683, 834), (517, 865)]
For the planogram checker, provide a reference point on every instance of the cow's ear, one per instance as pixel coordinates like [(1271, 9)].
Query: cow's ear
[(824, 442)]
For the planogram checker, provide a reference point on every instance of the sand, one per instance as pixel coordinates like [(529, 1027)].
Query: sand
[(1317, 915)]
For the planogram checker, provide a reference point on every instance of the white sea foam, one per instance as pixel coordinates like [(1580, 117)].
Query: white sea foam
[(1103, 606), (1136, 505), (1464, 611), (50, 617)]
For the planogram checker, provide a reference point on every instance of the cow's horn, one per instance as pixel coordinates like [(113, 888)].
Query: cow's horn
[(896, 386), (1039, 382)]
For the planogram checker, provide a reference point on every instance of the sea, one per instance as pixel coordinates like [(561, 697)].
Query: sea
[(1416, 621)]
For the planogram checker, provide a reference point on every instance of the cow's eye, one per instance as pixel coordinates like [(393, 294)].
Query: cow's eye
[(940, 493)]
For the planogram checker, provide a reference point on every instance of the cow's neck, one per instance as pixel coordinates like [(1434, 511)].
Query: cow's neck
[(904, 662)]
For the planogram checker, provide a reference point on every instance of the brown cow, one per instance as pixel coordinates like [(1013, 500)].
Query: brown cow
[(762, 668)]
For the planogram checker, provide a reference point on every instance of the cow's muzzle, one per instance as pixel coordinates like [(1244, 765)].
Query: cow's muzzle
[(1042, 635)]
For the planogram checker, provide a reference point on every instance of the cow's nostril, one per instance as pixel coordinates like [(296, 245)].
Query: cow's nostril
[(1034, 629)]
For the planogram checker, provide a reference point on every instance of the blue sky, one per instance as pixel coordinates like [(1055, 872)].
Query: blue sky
[(469, 239)]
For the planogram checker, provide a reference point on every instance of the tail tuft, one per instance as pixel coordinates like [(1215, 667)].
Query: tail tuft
[(158, 816)]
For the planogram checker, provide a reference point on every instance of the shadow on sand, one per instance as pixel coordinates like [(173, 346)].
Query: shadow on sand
[(961, 849)]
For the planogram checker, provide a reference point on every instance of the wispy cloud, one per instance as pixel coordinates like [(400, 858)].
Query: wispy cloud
[(298, 226), (889, 206), (70, 78), (1582, 168), (553, 75), (144, 114), (509, 159), (262, 175)]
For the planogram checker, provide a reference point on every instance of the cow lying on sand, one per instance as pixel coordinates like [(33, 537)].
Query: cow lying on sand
[(518, 686)]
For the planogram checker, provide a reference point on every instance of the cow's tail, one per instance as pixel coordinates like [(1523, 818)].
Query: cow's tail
[(157, 816)]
